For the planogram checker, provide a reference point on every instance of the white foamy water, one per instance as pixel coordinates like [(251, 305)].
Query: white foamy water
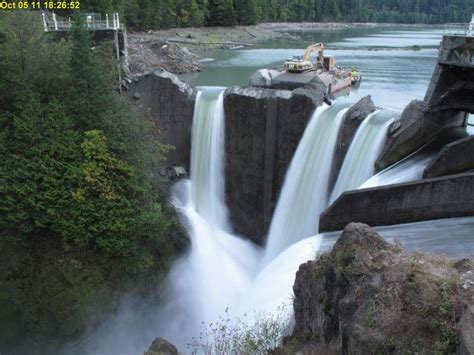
[(207, 159), (359, 161), (408, 169), (304, 193), (219, 266)]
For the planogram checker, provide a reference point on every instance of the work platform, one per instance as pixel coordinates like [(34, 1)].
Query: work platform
[(92, 22)]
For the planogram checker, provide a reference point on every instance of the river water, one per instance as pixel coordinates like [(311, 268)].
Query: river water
[(224, 271)]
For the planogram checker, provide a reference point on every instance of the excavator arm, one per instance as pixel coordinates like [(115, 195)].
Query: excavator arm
[(317, 46)]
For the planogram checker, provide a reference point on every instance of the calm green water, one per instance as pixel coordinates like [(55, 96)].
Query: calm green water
[(392, 72)]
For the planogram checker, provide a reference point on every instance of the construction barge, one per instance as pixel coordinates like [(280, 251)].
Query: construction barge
[(300, 71)]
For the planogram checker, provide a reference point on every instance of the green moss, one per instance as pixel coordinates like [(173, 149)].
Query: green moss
[(317, 271), (433, 299), (390, 345), (367, 316)]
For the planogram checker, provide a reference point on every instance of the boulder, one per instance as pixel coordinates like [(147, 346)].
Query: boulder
[(263, 129), (454, 158), (262, 78), (161, 346), (170, 103), (350, 123), (417, 126), (366, 296)]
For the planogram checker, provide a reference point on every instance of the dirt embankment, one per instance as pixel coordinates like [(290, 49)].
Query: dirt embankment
[(179, 50)]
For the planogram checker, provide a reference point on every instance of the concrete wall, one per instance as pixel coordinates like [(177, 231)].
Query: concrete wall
[(416, 126), (451, 86), (170, 103), (429, 199), (263, 129), (449, 96), (454, 158)]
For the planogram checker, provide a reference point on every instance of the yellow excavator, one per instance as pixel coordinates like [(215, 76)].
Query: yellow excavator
[(303, 63)]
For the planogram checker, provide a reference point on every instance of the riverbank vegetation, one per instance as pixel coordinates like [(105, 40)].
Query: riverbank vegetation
[(82, 218), (151, 14)]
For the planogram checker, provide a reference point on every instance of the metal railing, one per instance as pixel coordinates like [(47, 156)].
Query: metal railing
[(53, 24), (459, 29)]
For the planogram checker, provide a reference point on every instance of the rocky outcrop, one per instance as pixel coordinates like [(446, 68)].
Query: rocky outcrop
[(465, 268), (454, 158), (350, 123), (429, 199), (170, 103), (263, 129), (417, 126), (366, 296), (161, 346)]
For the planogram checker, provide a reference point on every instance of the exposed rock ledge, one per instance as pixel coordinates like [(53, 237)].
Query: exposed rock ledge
[(161, 346), (366, 296)]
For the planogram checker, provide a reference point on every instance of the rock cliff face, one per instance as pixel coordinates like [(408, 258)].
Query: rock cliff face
[(263, 129), (366, 296), (170, 103)]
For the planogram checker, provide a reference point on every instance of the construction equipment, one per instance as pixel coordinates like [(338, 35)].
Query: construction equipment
[(300, 64)]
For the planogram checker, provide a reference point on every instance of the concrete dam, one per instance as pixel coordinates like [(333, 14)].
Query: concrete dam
[(263, 128)]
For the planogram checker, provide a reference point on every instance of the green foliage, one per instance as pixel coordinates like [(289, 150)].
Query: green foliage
[(80, 218), (146, 14), (367, 315)]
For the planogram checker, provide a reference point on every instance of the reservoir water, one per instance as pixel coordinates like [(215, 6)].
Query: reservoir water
[(393, 73)]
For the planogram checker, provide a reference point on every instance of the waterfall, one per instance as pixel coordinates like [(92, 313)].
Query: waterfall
[(222, 271), (207, 171), (408, 169), (359, 162), (219, 266), (304, 194)]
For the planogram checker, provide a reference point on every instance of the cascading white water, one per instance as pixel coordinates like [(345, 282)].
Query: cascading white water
[(219, 266), (221, 270), (409, 169), (304, 193), (207, 171), (358, 164)]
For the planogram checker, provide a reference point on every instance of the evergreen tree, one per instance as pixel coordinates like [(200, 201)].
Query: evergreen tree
[(221, 13)]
